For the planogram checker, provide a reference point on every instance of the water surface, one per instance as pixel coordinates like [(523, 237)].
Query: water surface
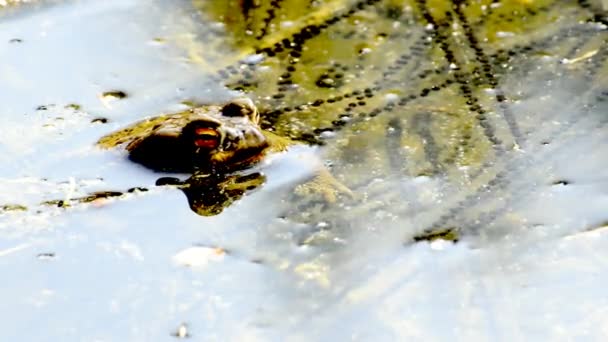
[(523, 182)]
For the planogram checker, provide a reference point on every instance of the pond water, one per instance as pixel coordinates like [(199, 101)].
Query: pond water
[(500, 139)]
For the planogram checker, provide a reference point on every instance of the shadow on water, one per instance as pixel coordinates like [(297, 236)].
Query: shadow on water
[(481, 122)]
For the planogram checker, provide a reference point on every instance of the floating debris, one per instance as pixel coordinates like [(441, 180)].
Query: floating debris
[(189, 103), (446, 234), (114, 95), (13, 207), (580, 58), (111, 96), (45, 256), (100, 120), (182, 331), (73, 106)]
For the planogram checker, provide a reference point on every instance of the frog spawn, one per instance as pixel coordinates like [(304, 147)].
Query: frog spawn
[(427, 57)]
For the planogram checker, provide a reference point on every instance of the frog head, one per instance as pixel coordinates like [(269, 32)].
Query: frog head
[(228, 138), (207, 138)]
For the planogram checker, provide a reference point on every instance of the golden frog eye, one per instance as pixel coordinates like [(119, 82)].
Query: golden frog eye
[(206, 137)]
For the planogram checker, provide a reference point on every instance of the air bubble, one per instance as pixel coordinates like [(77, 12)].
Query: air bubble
[(327, 135), (391, 98)]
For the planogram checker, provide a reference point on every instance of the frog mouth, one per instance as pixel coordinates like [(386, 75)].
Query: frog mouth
[(206, 138)]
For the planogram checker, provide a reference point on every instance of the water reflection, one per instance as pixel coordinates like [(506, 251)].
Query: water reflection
[(209, 194)]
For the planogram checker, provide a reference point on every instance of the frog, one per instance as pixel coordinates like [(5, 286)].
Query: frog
[(210, 139), (215, 143)]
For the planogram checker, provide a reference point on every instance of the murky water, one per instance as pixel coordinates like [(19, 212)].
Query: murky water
[(487, 119)]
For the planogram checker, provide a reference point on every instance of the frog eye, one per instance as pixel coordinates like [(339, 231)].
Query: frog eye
[(241, 107), (207, 138)]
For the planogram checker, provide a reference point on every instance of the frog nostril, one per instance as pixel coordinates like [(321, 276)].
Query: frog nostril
[(233, 109), (242, 107), (232, 142)]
